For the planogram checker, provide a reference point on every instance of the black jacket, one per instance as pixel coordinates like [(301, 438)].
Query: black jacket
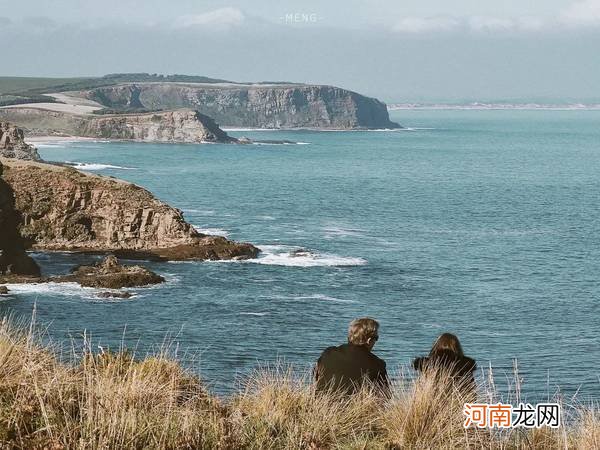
[(346, 367), (460, 368)]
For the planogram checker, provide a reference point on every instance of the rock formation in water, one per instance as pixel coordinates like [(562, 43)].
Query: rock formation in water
[(13, 259), (182, 125), (110, 274), (13, 145), (64, 209), (107, 274), (254, 105)]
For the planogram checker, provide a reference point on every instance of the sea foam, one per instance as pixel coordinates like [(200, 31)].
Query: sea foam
[(96, 166), (212, 231), (64, 289), (283, 255)]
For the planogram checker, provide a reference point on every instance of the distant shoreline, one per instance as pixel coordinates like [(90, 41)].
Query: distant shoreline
[(56, 139), (495, 107)]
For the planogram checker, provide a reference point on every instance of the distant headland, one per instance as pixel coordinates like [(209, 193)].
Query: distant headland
[(179, 108)]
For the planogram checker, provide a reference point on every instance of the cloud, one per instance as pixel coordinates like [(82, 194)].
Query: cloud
[(39, 22), (586, 12), (219, 18), (531, 23), (426, 24), (477, 24), (580, 14), (486, 23)]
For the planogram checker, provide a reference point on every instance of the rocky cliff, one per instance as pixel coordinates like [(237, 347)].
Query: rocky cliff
[(13, 259), (183, 125), (64, 209), (12, 143), (249, 105)]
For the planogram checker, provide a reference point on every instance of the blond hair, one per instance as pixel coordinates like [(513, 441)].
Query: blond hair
[(361, 330)]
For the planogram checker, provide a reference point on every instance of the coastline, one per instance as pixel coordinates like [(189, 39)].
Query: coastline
[(492, 107), (53, 139)]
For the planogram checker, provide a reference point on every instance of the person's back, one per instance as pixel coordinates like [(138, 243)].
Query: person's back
[(460, 368), (447, 358), (345, 368)]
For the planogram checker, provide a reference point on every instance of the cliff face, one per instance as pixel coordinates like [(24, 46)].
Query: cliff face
[(13, 259), (64, 209), (12, 143), (261, 106), (182, 125)]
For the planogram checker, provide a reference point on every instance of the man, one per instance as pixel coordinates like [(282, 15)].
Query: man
[(347, 367)]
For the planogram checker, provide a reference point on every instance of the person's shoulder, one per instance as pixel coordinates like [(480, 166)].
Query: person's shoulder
[(377, 360), (420, 362), (330, 350), (469, 363)]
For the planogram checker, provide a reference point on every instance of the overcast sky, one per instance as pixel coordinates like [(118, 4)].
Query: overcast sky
[(397, 50)]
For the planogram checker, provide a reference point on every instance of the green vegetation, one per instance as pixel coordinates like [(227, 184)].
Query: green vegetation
[(112, 400), (125, 110), (12, 85), (24, 86), (23, 90)]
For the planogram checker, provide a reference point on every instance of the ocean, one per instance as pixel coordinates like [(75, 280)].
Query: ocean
[(485, 224)]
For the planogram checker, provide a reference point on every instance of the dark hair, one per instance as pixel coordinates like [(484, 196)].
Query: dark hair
[(447, 342)]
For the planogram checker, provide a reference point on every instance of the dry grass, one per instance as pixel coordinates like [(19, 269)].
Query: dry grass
[(113, 401)]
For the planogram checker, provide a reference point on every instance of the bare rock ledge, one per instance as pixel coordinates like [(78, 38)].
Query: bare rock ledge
[(63, 209)]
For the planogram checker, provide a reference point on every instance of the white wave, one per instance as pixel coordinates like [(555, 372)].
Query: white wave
[(96, 166), (111, 299), (334, 231), (411, 129), (283, 255), (259, 314), (280, 143), (76, 290), (311, 297), (54, 145), (204, 212), (249, 129), (65, 289), (324, 297), (384, 130), (212, 231)]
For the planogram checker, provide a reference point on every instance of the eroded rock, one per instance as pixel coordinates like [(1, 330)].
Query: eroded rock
[(110, 274), (82, 212), (113, 294), (181, 125), (13, 258), (13, 145)]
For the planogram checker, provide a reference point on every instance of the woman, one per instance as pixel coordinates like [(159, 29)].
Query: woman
[(448, 359)]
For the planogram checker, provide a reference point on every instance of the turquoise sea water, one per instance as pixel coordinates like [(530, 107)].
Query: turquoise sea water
[(481, 223)]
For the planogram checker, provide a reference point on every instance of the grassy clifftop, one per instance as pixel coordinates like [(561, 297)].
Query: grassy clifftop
[(23, 90), (111, 400)]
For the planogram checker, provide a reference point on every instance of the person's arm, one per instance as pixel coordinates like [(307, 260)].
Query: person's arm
[(419, 363), (469, 365), (317, 367), (382, 381)]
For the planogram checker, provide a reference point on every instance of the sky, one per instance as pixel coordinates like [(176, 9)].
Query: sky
[(396, 50)]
